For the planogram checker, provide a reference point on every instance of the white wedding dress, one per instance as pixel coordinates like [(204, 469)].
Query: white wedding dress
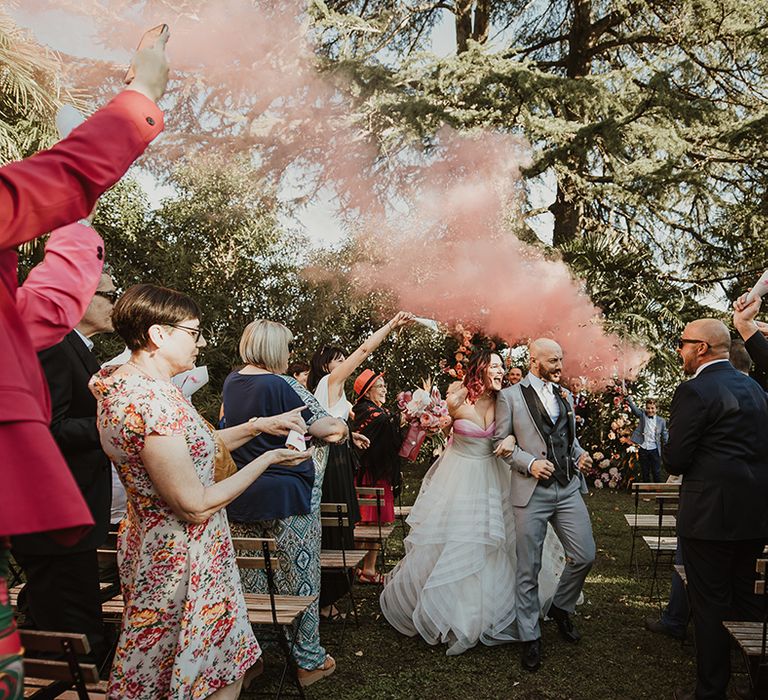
[(456, 582)]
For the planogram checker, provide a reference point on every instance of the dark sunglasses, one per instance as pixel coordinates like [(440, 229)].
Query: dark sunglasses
[(683, 341), (110, 296), (196, 333)]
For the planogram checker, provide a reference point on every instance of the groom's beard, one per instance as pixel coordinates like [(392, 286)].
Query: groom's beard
[(553, 377)]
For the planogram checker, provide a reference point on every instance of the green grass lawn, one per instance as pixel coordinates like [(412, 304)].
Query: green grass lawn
[(616, 658)]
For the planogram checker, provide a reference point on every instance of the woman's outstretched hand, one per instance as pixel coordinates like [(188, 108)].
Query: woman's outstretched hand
[(361, 441), (281, 424), (400, 320), (286, 457)]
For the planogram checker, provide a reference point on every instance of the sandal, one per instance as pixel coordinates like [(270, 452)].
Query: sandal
[(308, 677), (334, 614), (375, 578), (253, 673)]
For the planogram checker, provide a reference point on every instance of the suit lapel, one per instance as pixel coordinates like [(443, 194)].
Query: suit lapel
[(90, 363), (537, 410)]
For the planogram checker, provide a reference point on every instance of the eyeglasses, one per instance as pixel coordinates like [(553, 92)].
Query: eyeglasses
[(109, 296), (683, 341), (196, 333)]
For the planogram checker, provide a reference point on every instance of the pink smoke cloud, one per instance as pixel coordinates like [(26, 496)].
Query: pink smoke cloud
[(246, 80)]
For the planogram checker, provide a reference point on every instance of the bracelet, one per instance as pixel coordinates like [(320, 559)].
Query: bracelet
[(254, 430)]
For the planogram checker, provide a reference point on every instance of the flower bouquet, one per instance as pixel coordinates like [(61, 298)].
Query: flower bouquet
[(426, 413)]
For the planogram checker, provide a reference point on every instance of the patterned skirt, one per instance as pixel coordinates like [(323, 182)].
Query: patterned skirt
[(298, 549)]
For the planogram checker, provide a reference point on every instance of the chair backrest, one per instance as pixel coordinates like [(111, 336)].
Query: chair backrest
[(256, 553), (65, 667), (334, 515), (370, 495), (645, 487), (761, 589)]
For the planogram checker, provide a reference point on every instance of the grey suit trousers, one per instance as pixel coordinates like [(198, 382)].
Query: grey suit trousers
[(564, 507)]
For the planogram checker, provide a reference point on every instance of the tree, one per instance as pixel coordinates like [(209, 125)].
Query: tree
[(650, 114), (30, 93)]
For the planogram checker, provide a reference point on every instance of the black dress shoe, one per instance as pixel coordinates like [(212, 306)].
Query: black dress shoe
[(684, 694), (531, 658), (655, 625), (567, 631)]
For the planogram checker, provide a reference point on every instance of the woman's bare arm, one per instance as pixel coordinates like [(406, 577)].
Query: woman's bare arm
[(172, 472)]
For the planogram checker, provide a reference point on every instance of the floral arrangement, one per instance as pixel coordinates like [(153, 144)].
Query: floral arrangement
[(608, 436), (426, 413), (467, 342)]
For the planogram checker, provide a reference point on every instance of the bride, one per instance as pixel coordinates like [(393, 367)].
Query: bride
[(456, 582)]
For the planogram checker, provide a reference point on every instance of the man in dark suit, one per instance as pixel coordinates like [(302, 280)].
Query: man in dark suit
[(719, 443), (62, 590)]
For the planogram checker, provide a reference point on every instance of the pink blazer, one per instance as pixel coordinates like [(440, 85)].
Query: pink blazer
[(48, 191)]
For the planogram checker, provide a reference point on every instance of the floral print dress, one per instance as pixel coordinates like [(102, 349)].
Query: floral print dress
[(185, 630)]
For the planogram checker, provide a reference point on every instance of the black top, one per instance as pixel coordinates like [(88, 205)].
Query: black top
[(280, 491), (718, 441), (382, 428)]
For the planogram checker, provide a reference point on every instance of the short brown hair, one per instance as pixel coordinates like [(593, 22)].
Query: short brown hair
[(146, 305)]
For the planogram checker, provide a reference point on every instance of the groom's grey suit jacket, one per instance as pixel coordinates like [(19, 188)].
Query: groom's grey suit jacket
[(513, 417)]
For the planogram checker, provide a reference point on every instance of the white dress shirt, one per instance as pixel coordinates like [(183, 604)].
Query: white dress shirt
[(649, 434), (545, 391)]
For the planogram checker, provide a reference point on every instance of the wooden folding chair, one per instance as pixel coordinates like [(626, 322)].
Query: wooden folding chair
[(752, 637), (52, 668), (648, 522), (662, 547), (343, 561), (378, 532), (261, 553)]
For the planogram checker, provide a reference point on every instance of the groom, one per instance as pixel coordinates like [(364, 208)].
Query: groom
[(546, 488)]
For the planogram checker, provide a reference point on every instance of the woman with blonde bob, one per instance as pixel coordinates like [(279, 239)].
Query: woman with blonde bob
[(285, 503), (185, 631)]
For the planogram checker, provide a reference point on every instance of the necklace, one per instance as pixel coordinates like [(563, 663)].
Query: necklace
[(143, 371)]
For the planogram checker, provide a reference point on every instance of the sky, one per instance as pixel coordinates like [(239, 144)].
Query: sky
[(318, 218)]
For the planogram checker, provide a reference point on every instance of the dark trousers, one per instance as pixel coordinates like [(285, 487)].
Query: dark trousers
[(62, 595), (675, 615), (650, 464), (721, 582)]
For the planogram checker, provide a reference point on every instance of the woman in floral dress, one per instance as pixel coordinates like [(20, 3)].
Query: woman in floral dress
[(185, 631)]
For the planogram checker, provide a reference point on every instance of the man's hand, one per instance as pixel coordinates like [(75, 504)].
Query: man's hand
[(744, 316), (151, 68), (585, 461), (542, 469)]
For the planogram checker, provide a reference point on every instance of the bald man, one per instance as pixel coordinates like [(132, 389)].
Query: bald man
[(546, 488), (718, 442)]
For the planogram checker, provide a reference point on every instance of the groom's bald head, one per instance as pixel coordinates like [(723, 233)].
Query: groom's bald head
[(546, 359)]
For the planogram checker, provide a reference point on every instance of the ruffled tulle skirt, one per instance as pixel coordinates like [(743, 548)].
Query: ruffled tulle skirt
[(456, 582)]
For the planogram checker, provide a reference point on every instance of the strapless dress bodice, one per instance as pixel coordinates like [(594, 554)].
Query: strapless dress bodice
[(470, 440)]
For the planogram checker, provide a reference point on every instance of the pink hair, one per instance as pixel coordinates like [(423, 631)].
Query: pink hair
[(475, 377)]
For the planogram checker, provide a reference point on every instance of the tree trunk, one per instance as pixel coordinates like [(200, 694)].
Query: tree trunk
[(566, 208), (473, 19)]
